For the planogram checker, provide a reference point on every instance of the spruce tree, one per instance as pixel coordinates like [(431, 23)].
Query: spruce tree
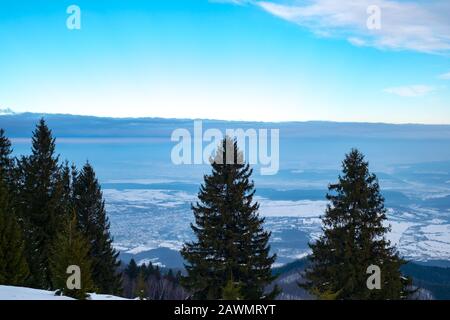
[(354, 230), (132, 270), (38, 203), (93, 223), (6, 161), (231, 242), (13, 266), (141, 287), (170, 276), (70, 248)]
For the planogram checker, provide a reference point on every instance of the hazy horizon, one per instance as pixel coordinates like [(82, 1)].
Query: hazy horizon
[(214, 119)]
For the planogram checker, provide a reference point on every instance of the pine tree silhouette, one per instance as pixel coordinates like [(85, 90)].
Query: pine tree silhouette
[(231, 241), (353, 239)]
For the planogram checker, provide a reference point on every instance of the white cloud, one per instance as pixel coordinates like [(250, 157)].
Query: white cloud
[(445, 76), (357, 41), (405, 25), (410, 91)]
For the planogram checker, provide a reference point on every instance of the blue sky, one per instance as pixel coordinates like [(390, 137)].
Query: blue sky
[(274, 60)]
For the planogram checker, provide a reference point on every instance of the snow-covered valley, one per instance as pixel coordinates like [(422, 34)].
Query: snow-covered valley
[(151, 223)]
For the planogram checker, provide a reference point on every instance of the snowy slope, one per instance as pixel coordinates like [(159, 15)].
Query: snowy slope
[(21, 293)]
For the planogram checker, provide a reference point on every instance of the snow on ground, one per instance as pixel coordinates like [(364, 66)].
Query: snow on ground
[(398, 228), (151, 245), (287, 208), (153, 261), (163, 198), (95, 296), (22, 293)]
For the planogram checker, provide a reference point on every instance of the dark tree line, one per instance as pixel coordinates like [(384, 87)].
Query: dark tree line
[(148, 282), (53, 216)]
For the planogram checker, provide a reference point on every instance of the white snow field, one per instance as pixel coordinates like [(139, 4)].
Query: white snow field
[(22, 293)]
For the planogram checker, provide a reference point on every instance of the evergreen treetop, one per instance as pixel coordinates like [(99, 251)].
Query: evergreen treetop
[(132, 270)]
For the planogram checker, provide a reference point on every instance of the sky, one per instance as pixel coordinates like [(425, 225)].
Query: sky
[(275, 60)]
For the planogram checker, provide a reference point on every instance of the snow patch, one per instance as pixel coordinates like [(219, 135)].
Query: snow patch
[(162, 198), (153, 261), (22, 293), (286, 208), (398, 228)]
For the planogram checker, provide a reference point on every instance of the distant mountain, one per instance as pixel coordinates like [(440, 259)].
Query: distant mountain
[(7, 111), (67, 125)]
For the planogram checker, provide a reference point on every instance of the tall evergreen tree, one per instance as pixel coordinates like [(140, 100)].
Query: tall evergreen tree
[(13, 266), (38, 203), (94, 224), (70, 248), (231, 242), (353, 238)]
